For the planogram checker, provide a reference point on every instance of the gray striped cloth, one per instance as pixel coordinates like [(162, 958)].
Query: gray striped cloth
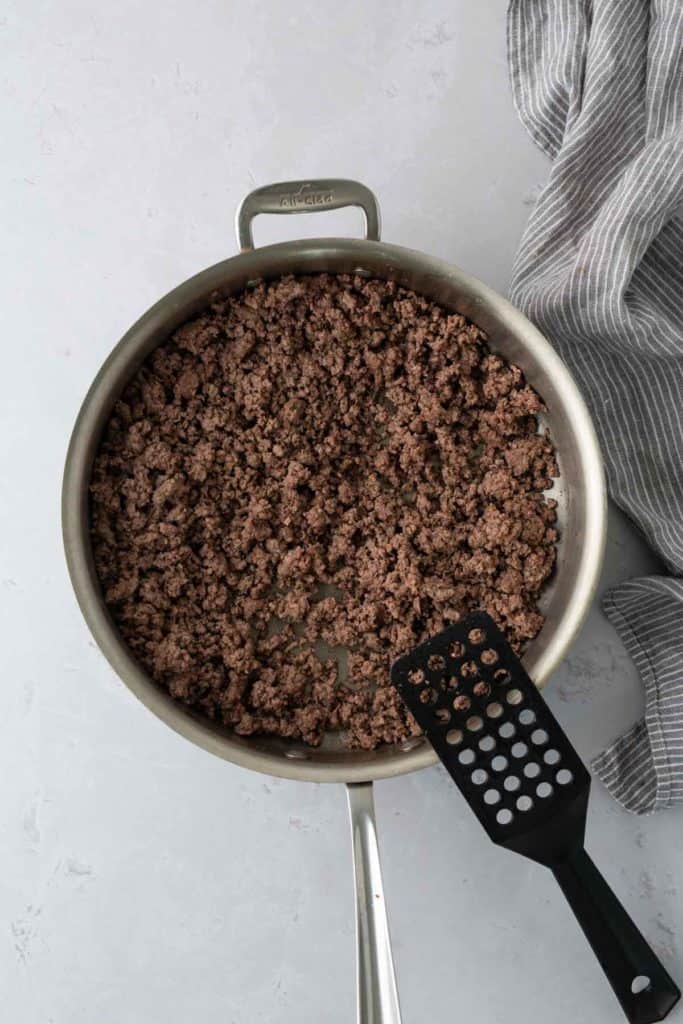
[(599, 87)]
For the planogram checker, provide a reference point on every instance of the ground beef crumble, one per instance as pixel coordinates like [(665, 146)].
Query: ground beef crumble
[(323, 430)]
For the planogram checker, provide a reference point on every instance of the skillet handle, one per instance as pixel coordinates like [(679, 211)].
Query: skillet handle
[(641, 984), (377, 993), (306, 197)]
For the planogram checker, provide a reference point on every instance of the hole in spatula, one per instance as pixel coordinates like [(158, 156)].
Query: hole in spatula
[(454, 736), (428, 695), (491, 797), (640, 984), (479, 776), (450, 682), (443, 716), (551, 756), (456, 650), (504, 816), (564, 776), (466, 756), (476, 636), (527, 717), (436, 663), (489, 656), (487, 744), (524, 803), (506, 731), (416, 676)]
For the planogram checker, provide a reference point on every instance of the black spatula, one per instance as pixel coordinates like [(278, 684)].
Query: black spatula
[(527, 785)]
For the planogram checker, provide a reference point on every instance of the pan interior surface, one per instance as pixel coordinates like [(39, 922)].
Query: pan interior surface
[(579, 490)]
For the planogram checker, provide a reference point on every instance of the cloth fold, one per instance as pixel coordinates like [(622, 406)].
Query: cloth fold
[(599, 86)]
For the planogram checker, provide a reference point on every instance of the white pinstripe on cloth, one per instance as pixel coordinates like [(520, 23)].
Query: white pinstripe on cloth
[(599, 86)]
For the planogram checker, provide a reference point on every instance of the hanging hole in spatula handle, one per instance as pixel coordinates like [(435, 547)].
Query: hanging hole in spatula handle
[(643, 987)]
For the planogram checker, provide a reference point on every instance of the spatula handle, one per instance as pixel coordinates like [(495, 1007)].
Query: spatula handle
[(643, 987)]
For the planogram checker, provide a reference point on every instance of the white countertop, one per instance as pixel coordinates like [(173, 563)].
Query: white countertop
[(143, 881)]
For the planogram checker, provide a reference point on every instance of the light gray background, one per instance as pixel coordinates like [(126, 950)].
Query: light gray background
[(143, 881)]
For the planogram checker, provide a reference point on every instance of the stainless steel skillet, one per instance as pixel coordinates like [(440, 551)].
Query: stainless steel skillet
[(580, 492)]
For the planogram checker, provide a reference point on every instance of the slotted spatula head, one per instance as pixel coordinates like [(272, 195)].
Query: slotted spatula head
[(498, 738)]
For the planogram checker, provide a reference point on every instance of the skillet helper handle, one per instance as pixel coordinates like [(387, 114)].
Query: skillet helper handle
[(377, 992), (306, 197), (643, 987)]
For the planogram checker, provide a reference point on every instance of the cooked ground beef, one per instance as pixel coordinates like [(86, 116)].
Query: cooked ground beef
[(324, 458)]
